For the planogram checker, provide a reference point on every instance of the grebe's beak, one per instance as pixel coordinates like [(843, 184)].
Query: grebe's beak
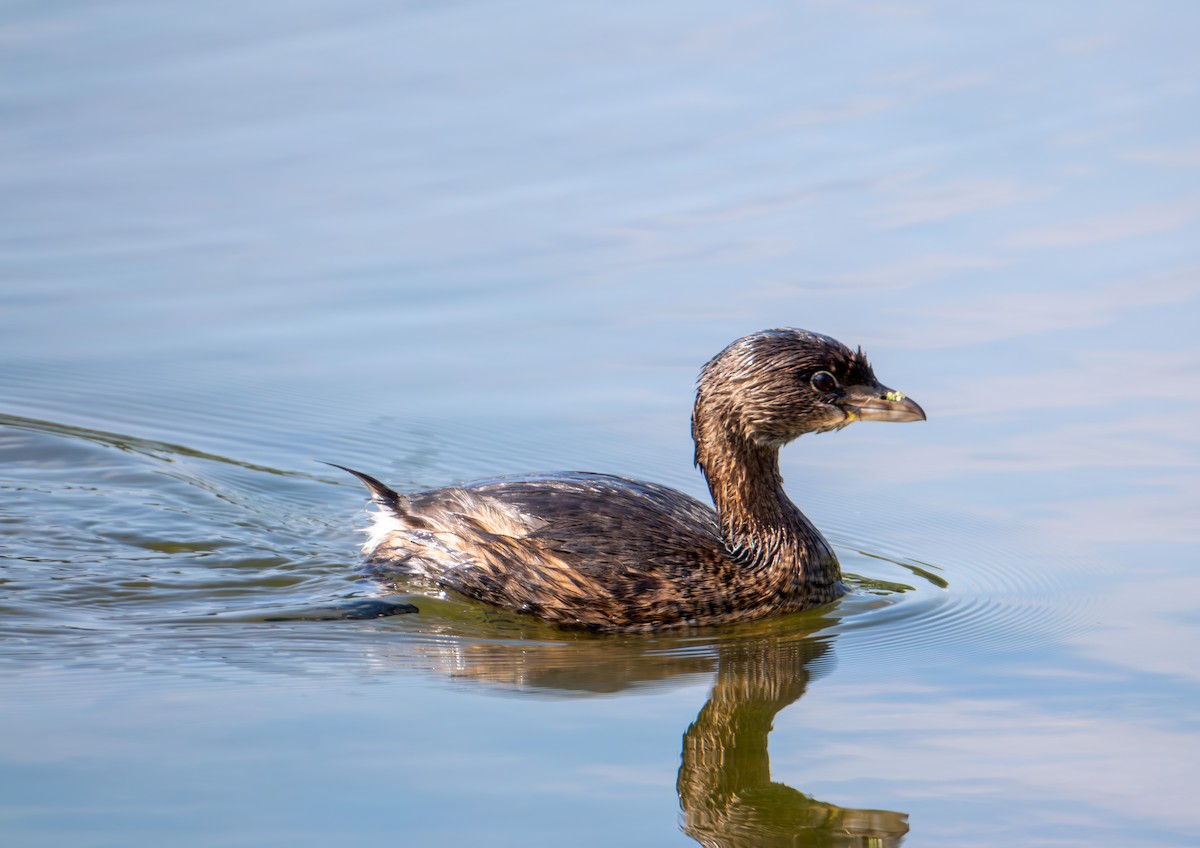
[(878, 403)]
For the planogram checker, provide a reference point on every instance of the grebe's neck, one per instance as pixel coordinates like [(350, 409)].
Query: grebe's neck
[(762, 527)]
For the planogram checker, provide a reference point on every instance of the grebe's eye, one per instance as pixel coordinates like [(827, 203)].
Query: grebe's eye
[(823, 381)]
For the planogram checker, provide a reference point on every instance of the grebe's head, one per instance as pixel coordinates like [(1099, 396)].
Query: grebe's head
[(772, 386)]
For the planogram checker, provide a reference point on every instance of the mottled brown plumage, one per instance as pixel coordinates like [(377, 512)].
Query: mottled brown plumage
[(607, 553)]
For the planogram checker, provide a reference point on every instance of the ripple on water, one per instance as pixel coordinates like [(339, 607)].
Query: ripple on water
[(991, 597), (156, 556)]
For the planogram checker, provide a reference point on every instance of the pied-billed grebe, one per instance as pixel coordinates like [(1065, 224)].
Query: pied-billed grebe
[(600, 552)]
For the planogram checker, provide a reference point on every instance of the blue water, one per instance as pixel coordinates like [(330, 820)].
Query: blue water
[(447, 241)]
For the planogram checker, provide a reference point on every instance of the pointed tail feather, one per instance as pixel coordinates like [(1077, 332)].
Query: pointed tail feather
[(380, 493)]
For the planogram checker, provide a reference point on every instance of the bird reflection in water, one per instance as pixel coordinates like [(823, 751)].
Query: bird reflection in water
[(726, 794), (725, 786)]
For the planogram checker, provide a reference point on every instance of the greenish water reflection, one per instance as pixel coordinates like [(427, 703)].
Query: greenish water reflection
[(725, 786), (726, 793)]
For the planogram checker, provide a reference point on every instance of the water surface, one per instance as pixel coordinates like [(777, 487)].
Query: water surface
[(448, 241)]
